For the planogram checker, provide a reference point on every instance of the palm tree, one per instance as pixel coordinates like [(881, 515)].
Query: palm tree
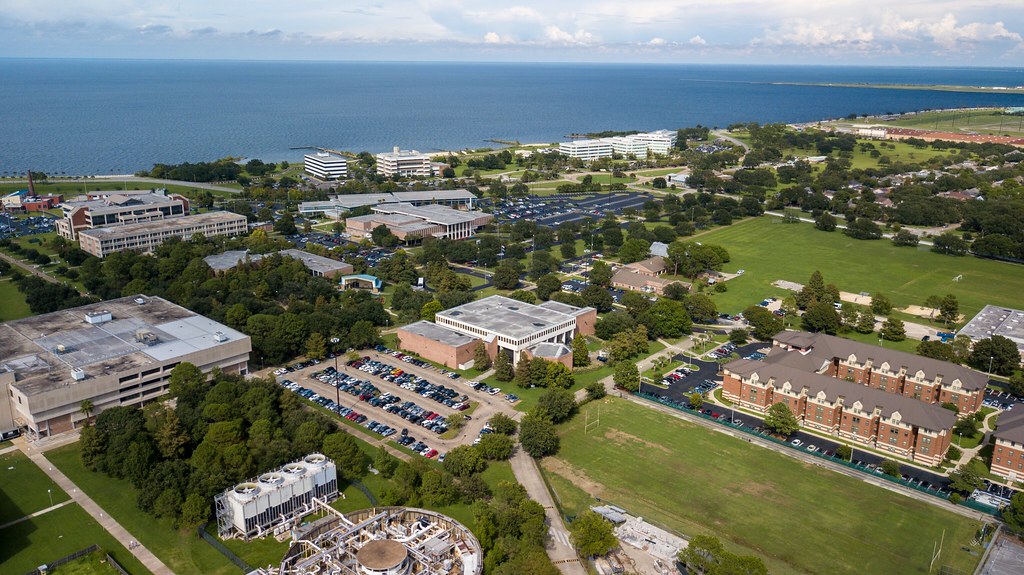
[(86, 407)]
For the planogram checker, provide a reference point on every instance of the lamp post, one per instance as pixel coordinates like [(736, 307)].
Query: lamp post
[(990, 358), (50, 493)]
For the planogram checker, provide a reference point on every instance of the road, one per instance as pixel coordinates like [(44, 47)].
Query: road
[(725, 136)]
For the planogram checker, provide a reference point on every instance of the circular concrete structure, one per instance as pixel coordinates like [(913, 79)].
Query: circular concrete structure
[(382, 556)]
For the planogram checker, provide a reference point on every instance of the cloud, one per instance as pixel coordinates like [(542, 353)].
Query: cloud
[(657, 42), (492, 38), (154, 29), (698, 41), (557, 35)]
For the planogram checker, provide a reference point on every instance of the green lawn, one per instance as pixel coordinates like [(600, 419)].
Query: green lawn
[(23, 488), (771, 251), (798, 517), (57, 534), (183, 551), (979, 121), (70, 189), (899, 152), (13, 302), (94, 563)]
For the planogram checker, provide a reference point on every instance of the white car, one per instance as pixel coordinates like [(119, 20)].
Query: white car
[(796, 443)]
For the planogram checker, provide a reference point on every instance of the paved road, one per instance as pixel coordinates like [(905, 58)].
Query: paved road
[(30, 269), (559, 549), (155, 565)]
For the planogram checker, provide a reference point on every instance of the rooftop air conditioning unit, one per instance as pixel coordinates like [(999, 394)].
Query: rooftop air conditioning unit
[(77, 374), (96, 317), (219, 336), (140, 301)]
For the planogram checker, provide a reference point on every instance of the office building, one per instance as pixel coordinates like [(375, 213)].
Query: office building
[(586, 149), (144, 237), (107, 209), (643, 145), (337, 206), (411, 223), (403, 164), (324, 166), (318, 266), (117, 352)]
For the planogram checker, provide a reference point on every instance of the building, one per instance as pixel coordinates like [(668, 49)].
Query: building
[(629, 279), (412, 223), (659, 249), (996, 320), (337, 206), (326, 166), (254, 508), (653, 266), (117, 352), (586, 149), (381, 541), (106, 209), (319, 266), (889, 422), (34, 203), (1008, 454), (144, 237), (360, 281), (504, 326), (875, 132), (403, 164), (12, 201)]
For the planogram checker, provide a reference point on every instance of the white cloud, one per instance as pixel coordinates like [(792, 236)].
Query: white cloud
[(492, 38), (657, 42), (698, 41), (557, 35)]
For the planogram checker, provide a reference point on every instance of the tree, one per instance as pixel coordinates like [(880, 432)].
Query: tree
[(826, 222), (547, 285), (503, 370), (595, 390), (738, 336), (195, 511), (881, 304), (523, 296), (597, 297), (844, 452), (765, 324), (965, 427), (537, 436), (780, 419), (316, 346), (592, 534), (949, 310), (430, 309), (86, 408), (696, 400), (813, 290), (506, 277), (463, 461), (996, 354), (789, 308), (503, 424), (384, 462), (558, 376), (1016, 384), (556, 404), (666, 318), (701, 308), (1013, 514), (494, 447), (601, 274), (893, 330), (935, 349), (627, 376), (865, 322), (965, 479), (524, 376), (580, 351), (285, 225), (348, 457), (863, 229), (705, 555), (481, 361), (821, 317), (634, 250), (383, 237), (891, 467), (950, 244), (905, 237)]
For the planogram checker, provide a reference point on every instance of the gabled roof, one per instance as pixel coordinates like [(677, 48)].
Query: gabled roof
[(1010, 426), (654, 265)]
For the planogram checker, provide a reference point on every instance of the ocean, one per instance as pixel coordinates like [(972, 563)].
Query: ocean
[(77, 117)]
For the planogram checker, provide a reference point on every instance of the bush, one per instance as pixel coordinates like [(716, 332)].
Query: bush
[(953, 453), (954, 498)]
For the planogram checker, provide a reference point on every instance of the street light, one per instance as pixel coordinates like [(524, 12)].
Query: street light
[(50, 493), (990, 366)]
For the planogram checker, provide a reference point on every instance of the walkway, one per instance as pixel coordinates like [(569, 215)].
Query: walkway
[(559, 548), (37, 513), (155, 565)]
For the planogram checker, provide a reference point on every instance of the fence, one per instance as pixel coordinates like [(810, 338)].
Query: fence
[(49, 566), (241, 564), (117, 566), (874, 472)]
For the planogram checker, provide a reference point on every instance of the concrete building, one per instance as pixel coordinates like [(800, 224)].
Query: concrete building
[(642, 145), (403, 163), (504, 325), (144, 237), (412, 223), (1008, 454), (586, 149), (107, 209), (337, 206), (324, 166), (318, 266), (117, 352), (996, 320)]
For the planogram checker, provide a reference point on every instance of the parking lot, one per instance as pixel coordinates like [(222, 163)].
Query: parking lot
[(12, 227), (417, 400), (555, 210)]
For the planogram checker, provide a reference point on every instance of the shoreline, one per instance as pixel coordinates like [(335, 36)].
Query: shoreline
[(923, 87)]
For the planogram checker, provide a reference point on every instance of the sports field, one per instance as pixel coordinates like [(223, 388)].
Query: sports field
[(967, 121), (770, 250), (798, 517)]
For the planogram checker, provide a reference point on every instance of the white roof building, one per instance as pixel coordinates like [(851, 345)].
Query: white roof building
[(326, 166), (403, 163)]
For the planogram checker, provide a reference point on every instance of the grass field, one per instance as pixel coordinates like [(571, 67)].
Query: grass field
[(979, 121), (23, 488), (798, 517), (56, 534), (771, 251), (900, 152), (12, 302), (94, 563)]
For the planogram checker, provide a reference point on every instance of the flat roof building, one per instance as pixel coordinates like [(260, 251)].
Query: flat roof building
[(325, 166), (337, 205), (997, 320), (586, 149), (117, 352), (640, 145), (411, 223), (403, 163), (107, 209), (144, 237), (319, 266)]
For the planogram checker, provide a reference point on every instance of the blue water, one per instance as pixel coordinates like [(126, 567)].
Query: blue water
[(116, 116)]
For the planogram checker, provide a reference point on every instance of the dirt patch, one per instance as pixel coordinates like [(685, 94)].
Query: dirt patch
[(919, 311), (624, 439), (756, 489), (574, 475)]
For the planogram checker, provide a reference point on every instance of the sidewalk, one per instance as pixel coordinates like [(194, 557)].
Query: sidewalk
[(143, 554)]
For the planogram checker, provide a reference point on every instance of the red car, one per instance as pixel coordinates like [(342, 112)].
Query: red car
[(431, 453)]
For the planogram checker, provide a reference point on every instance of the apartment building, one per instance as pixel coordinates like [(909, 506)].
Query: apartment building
[(117, 352), (326, 166), (106, 209), (403, 163), (1008, 454), (144, 237)]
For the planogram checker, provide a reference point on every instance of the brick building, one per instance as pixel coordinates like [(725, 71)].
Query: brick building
[(1008, 455), (504, 326), (105, 209), (145, 237)]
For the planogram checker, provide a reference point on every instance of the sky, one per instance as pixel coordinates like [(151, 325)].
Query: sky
[(828, 32)]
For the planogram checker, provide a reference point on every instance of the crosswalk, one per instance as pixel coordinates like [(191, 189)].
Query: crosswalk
[(560, 536)]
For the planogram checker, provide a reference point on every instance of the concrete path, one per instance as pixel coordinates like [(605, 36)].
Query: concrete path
[(36, 514), (155, 565), (559, 548)]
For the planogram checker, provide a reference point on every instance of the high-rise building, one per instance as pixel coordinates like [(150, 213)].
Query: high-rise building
[(403, 163), (326, 166)]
